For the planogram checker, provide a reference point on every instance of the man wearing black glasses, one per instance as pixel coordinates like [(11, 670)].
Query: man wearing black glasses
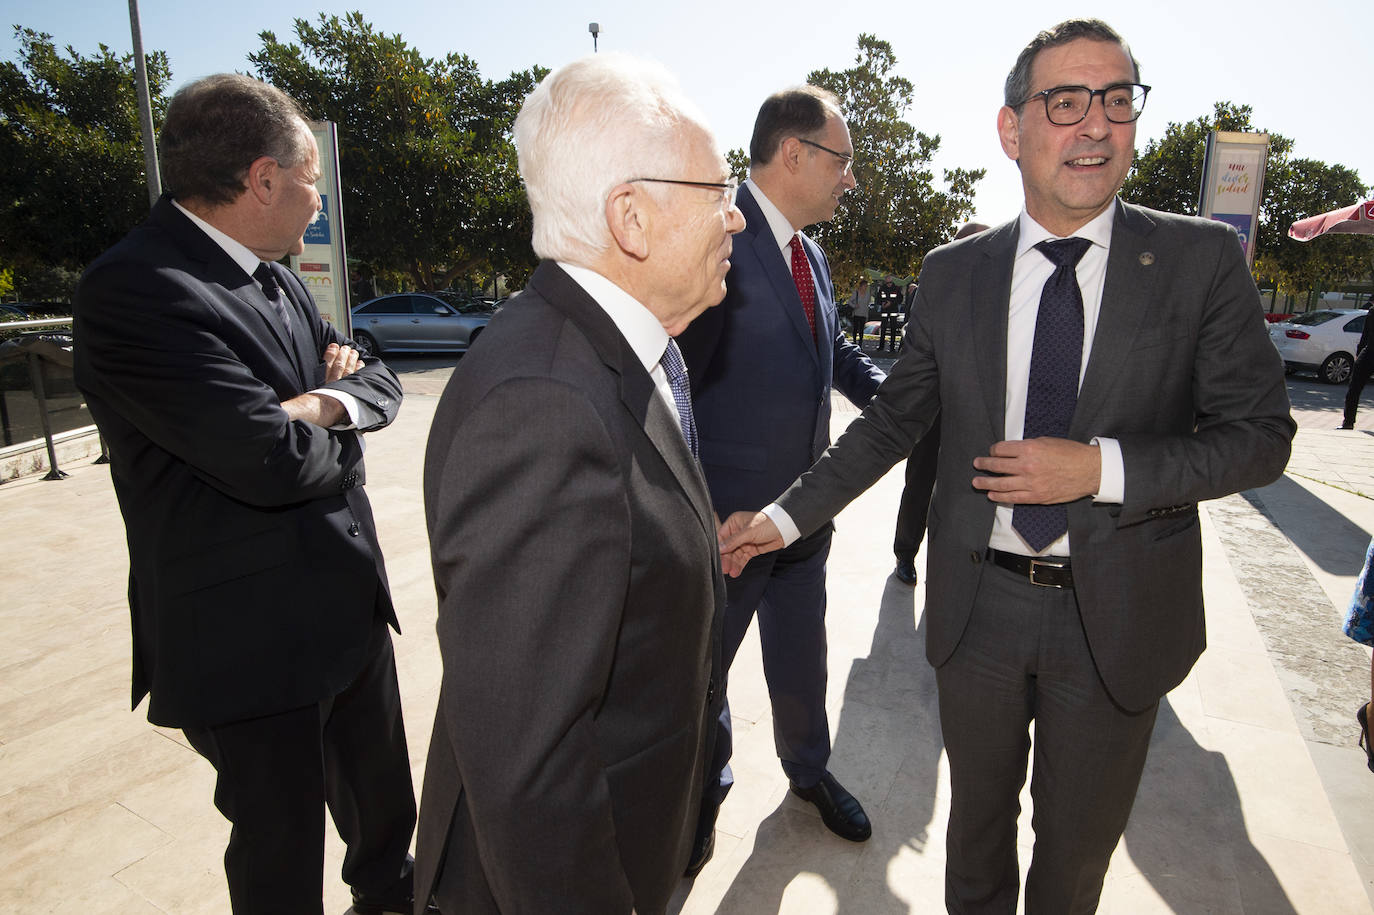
[(762, 366), (1098, 370)]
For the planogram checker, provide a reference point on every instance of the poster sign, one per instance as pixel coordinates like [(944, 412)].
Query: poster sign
[(323, 266), (1233, 182)]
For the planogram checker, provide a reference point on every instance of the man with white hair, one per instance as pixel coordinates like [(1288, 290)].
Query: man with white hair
[(570, 527)]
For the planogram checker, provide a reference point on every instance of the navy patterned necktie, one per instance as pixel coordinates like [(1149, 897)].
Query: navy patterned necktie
[(676, 370), (273, 292), (1052, 392)]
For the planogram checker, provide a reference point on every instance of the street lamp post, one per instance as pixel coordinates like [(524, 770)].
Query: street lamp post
[(593, 27), (145, 109)]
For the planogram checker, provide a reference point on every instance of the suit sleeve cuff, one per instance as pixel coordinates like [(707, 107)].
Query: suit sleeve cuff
[(1112, 487), (784, 523)]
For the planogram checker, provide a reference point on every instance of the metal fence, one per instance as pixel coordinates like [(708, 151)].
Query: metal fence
[(38, 395)]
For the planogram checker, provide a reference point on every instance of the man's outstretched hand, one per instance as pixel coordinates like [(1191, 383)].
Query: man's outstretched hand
[(743, 536)]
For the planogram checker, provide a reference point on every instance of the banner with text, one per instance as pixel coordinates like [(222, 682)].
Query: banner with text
[(1233, 182), (323, 265)]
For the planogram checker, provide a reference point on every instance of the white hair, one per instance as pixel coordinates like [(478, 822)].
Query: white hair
[(589, 126)]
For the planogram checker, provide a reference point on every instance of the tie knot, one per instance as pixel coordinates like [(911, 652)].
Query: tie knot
[(672, 363), (1064, 252), (265, 279)]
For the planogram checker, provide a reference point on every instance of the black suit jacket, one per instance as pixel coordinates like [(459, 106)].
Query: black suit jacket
[(255, 570), (1181, 373), (580, 595)]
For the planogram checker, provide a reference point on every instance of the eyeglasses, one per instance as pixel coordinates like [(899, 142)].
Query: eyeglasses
[(727, 189), (1067, 105), (845, 157)]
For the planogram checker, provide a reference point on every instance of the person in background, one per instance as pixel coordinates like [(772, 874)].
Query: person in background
[(859, 301), (234, 416), (1363, 368), (763, 365)]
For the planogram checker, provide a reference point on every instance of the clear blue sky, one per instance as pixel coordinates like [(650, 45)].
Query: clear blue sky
[(1303, 66)]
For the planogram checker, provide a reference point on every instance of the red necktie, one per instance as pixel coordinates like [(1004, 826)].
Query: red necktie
[(806, 286)]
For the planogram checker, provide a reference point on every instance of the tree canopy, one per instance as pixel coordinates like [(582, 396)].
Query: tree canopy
[(1168, 176), (896, 214), (431, 187), (71, 159)]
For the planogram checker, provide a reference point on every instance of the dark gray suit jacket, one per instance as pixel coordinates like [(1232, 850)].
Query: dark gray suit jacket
[(580, 595), (255, 573), (1181, 372)]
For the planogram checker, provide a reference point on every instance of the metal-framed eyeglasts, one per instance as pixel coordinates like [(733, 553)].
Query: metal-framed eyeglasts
[(845, 157), (727, 189), (1068, 105)]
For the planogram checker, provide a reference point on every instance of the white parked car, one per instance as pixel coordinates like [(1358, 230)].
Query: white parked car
[(1320, 341)]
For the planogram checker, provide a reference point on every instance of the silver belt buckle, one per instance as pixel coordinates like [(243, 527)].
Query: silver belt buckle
[(1037, 563)]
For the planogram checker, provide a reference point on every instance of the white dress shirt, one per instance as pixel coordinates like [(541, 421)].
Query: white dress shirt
[(248, 262), (636, 324), (1029, 272)]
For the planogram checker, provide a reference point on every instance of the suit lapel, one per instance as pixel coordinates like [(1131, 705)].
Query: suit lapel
[(637, 390), (775, 266), (301, 342), (221, 270), (991, 294), (1125, 296)]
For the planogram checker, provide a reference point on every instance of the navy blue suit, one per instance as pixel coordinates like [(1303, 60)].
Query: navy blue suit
[(761, 395)]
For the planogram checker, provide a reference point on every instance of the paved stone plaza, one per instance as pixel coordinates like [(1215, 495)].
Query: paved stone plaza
[(1255, 798)]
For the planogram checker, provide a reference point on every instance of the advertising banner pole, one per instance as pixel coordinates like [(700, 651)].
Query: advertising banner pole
[(323, 266)]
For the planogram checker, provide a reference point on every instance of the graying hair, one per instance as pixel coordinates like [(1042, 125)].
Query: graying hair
[(1019, 79)]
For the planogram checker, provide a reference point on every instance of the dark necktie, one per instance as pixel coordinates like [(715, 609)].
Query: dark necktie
[(1053, 389), (273, 292), (806, 286), (676, 370)]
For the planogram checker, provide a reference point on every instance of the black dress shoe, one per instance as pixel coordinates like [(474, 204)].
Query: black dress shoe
[(906, 571), (704, 843), (841, 811), (367, 904)]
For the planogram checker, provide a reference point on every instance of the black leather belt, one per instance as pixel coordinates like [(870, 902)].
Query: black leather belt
[(1046, 571)]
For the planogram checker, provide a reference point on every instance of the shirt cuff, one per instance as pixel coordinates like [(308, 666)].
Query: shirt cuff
[(350, 405), (1112, 487), (783, 521)]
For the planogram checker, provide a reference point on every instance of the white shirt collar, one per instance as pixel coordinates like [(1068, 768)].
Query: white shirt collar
[(777, 223), (636, 323), (1098, 230), (237, 251)]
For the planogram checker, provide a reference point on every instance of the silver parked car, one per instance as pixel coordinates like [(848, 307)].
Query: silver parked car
[(1320, 341), (419, 322)]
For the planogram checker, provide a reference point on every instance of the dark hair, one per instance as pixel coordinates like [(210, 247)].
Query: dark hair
[(218, 126), (1018, 80), (800, 111)]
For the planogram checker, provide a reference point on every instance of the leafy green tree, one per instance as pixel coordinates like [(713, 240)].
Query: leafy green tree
[(71, 158), (431, 185), (896, 214), (1168, 176)]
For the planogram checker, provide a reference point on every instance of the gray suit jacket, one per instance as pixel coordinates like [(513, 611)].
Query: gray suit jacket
[(1181, 372), (579, 609)]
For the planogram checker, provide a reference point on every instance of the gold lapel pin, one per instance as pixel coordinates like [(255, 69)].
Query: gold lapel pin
[(1146, 258)]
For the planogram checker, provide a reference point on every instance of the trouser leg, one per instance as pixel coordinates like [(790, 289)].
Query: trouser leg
[(1359, 377), (792, 632), (1088, 758), (270, 785), (915, 504), (368, 781)]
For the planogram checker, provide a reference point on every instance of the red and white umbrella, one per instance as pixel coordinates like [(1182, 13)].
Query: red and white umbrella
[(1357, 219)]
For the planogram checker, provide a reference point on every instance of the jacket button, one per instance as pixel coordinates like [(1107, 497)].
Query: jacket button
[(975, 556), (354, 529)]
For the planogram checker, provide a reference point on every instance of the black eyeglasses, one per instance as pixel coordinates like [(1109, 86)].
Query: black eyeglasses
[(727, 189), (1067, 105), (845, 157)]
